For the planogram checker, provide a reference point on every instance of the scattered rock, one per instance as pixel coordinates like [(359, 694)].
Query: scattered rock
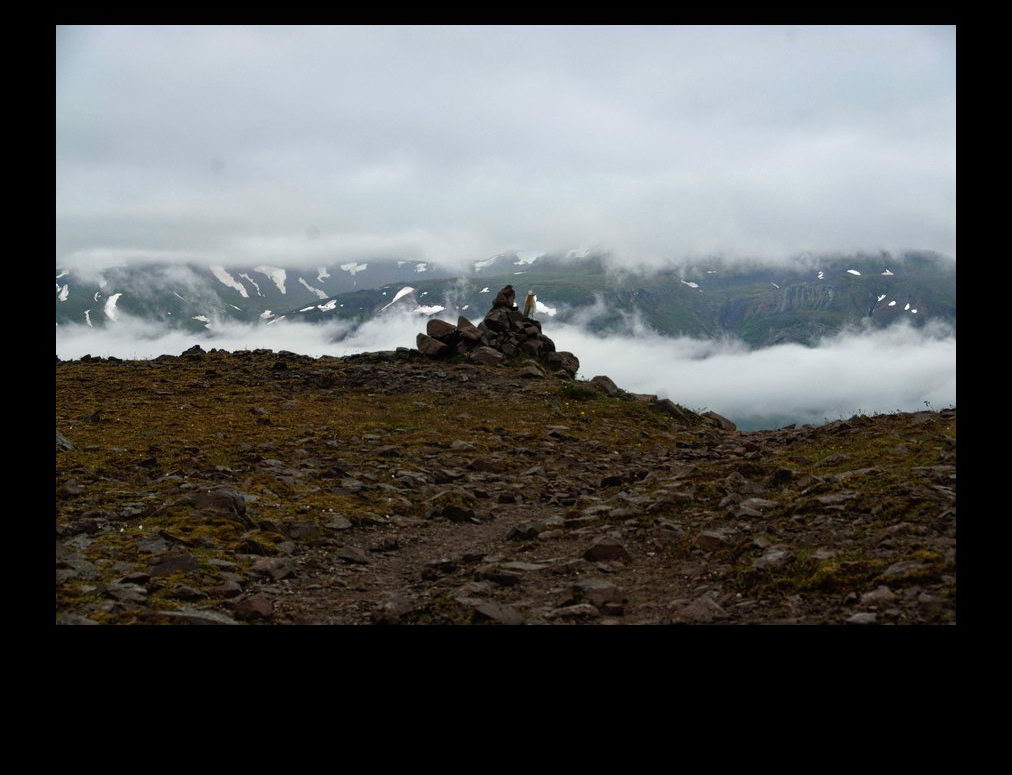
[(607, 548)]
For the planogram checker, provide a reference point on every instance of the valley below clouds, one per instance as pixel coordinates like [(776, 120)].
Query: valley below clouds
[(858, 371)]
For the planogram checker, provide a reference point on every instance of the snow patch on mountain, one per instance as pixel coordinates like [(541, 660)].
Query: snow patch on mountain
[(422, 267), (110, 306), (854, 272), (400, 295), (203, 319), (266, 314), (87, 317), (64, 292), (319, 294), (252, 282), (429, 310), (328, 306), (887, 273), (226, 279), (479, 265), (275, 273), (528, 256), (353, 268), (321, 274), (691, 285)]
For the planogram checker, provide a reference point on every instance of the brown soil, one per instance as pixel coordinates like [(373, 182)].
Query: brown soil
[(274, 488)]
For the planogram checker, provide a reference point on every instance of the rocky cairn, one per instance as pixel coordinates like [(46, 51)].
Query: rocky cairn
[(505, 335)]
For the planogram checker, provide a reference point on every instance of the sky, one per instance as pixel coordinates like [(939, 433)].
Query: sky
[(302, 146)]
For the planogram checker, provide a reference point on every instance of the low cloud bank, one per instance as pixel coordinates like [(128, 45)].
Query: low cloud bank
[(858, 371)]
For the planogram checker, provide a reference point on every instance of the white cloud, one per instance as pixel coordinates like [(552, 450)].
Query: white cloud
[(872, 370), (230, 145)]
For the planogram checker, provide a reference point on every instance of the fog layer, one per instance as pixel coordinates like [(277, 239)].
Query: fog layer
[(867, 371), (303, 146)]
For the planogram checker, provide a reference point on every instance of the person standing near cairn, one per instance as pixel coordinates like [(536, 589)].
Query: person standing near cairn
[(529, 304)]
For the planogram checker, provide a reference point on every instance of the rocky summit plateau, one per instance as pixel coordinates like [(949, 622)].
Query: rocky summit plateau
[(473, 480)]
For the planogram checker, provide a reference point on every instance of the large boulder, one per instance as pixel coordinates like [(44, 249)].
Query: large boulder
[(468, 330), (506, 298), (497, 320), (486, 355), (605, 385), (720, 421), (566, 361), (444, 332), (431, 347)]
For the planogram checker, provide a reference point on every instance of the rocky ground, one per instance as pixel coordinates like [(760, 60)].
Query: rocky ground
[(259, 487)]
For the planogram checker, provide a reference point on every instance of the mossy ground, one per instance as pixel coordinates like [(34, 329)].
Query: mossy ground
[(291, 436)]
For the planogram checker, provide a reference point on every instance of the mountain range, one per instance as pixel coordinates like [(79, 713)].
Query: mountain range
[(761, 304)]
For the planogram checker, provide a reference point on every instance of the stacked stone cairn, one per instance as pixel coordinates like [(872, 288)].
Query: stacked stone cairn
[(505, 335)]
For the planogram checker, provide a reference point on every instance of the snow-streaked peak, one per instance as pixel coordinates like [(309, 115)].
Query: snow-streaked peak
[(319, 294), (252, 282), (275, 273), (528, 256), (353, 268), (226, 279), (110, 306), (400, 295)]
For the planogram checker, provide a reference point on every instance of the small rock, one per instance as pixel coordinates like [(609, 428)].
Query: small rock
[(254, 607), (353, 555), (862, 618), (606, 548), (879, 597)]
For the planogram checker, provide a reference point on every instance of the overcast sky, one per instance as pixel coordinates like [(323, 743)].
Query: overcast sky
[(305, 145)]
